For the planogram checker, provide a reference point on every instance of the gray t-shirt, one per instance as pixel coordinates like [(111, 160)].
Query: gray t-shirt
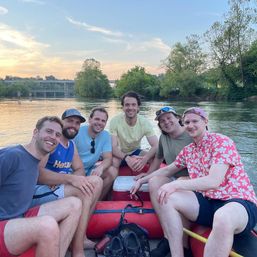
[(169, 148), (18, 178)]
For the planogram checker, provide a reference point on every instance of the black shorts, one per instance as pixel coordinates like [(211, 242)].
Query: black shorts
[(209, 206)]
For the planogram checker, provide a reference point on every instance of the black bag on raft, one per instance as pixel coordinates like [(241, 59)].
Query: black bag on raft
[(126, 240)]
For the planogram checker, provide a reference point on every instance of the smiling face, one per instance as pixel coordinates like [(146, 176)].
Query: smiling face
[(71, 127), (130, 107), (97, 122), (195, 125), (169, 123), (47, 137)]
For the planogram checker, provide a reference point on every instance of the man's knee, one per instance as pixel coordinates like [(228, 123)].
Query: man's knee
[(48, 228), (74, 203), (96, 181), (111, 173), (222, 221), (156, 182)]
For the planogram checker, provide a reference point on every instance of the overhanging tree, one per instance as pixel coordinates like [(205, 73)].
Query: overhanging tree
[(91, 82)]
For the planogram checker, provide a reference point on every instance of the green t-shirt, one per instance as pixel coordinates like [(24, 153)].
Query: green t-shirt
[(129, 137), (169, 148)]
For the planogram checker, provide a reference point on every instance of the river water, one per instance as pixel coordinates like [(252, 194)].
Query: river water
[(237, 120)]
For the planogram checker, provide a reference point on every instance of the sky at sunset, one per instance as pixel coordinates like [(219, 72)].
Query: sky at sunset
[(54, 37)]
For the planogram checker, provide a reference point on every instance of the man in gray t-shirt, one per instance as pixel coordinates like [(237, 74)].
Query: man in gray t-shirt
[(18, 177)]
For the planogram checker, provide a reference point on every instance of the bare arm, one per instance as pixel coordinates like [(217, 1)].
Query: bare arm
[(167, 171), (211, 181), (52, 178), (116, 151), (153, 142), (77, 164), (105, 164)]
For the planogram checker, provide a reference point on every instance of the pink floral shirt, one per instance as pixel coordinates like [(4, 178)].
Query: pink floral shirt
[(217, 149)]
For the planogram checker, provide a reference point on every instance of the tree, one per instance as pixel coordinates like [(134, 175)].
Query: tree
[(184, 84), (91, 82), (228, 41), (250, 67), (184, 66), (188, 56), (138, 80)]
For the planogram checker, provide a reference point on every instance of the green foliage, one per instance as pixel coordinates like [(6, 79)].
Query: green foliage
[(184, 84), (188, 56), (17, 89), (229, 42), (138, 80), (91, 82), (250, 68)]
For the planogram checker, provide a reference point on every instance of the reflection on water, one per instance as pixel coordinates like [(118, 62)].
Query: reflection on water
[(236, 120)]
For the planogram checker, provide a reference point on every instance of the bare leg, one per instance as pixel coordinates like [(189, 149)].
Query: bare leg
[(170, 214), (154, 184), (108, 176), (66, 212), (231, 219), (88, 203), (21, 234)]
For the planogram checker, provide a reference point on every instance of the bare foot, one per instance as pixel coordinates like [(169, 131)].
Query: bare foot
[(88, 244)]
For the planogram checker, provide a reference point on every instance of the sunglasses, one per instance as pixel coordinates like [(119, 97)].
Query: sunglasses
[(164, 110), (92, 150)]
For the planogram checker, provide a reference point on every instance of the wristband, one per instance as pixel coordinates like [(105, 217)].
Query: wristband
[(126, 155)]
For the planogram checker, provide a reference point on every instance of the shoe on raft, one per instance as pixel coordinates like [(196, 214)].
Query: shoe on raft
[(163, 249), (132, 245), (114, 248)]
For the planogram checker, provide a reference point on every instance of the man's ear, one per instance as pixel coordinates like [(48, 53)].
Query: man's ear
[(35, 131)]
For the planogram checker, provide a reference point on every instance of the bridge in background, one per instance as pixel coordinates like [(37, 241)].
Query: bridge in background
[(52, 88)]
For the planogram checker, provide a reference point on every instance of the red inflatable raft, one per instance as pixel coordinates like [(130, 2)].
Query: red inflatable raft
[(107, 216)]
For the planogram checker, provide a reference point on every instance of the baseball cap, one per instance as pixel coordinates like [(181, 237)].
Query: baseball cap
[(73, 112), (197, 111)]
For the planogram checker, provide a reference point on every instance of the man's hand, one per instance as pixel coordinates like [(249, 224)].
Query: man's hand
[(165, 191), (135, 187), (82, 183), (141, 175), (97, 171), (140, 164), (136, 163)]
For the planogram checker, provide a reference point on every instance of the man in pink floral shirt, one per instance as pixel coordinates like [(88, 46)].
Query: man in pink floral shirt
[(218, 194)]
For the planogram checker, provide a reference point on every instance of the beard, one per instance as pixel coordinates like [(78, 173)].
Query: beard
[(66, 133)]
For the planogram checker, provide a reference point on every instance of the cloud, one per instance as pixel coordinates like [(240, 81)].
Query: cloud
[(144, 46), (11, 37), (33, 1), (94, 28), (3, 10)]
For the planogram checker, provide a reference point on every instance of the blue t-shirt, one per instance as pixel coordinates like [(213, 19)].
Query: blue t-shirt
[(103, 144), (61, 159), (18, 178)]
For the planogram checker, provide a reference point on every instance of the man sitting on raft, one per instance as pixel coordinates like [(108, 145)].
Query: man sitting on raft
[(127, 130), (49, 227)]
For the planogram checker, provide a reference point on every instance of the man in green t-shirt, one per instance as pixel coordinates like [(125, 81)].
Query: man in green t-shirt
[(127, 130)]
